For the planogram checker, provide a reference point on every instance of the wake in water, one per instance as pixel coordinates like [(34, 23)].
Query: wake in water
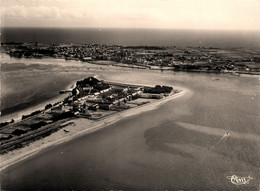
[(223, 139)]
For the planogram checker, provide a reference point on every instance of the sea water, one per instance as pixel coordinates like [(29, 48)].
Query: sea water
[(176, 146)]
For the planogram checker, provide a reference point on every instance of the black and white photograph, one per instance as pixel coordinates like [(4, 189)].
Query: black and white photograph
[(130, 95)]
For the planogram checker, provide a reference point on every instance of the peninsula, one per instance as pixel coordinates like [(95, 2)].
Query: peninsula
[(92, 104)]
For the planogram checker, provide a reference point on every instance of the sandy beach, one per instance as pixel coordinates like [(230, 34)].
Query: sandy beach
[(79, 127)]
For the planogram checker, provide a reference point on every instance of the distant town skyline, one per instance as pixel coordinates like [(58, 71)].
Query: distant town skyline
[(172, 14)]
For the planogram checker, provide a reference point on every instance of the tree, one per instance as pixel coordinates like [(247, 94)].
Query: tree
[(48, 106), (74, 91)]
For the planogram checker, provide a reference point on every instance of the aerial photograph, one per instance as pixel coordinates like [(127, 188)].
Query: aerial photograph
[(120, 95)]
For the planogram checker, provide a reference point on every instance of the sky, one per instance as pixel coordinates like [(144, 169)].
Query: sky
[(172, 14)]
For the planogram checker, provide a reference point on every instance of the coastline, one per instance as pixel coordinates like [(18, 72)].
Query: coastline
[(81, 127), (17, 116), (157, 68)]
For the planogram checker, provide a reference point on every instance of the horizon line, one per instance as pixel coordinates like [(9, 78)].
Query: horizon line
[(129, 28)]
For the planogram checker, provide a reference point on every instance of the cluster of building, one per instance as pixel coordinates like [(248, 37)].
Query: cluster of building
[(92, 94), (171, 58), (91, 98)]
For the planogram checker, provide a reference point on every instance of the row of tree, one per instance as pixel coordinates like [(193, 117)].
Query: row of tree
[(158, 89)]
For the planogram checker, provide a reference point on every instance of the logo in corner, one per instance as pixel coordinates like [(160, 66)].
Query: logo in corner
[(239, 180)]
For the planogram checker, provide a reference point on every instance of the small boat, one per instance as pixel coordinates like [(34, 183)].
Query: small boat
[(226, 134)]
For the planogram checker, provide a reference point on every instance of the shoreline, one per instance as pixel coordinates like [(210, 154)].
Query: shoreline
[(157, 68), (17, 116), (82, 127)]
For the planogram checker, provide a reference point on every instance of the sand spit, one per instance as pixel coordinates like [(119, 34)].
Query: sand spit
[(76, 128)]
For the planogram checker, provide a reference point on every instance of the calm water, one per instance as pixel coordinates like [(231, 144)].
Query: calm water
[(28, 82), (159, 37), (176, 147)]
